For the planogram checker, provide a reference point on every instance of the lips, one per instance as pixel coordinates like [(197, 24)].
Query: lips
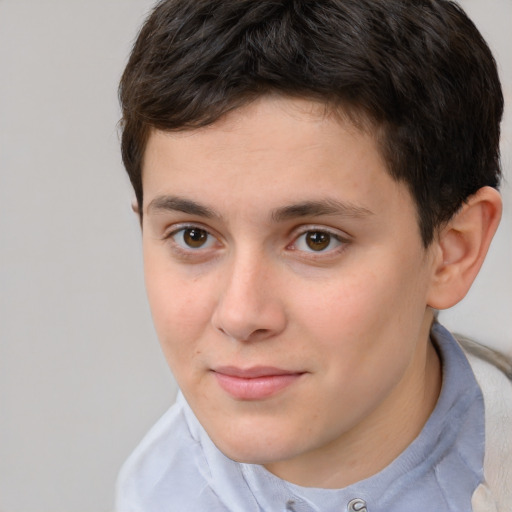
[(257, 383)]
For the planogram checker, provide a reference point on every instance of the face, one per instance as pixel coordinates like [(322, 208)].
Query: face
[(287, 281)]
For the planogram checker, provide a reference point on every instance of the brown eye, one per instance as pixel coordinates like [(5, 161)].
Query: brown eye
[(317, 240), (194, 237), (193, 240)]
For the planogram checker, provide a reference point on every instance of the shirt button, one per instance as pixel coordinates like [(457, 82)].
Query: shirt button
[(357, 505)]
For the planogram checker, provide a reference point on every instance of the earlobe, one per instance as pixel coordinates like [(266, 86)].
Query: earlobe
[(462, 245)]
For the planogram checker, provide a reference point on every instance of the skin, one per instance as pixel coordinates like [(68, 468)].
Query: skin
[(347, 314)]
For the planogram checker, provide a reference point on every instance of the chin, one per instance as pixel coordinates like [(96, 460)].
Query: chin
[(251, 448)]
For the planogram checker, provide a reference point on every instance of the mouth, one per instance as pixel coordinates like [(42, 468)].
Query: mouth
[(255, 383)]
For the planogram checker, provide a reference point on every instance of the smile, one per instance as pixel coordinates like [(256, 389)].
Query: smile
[(254, 383)]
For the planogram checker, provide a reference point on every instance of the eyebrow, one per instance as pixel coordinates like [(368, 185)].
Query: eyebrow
[(304, 209), (318, 208), (179, 204)]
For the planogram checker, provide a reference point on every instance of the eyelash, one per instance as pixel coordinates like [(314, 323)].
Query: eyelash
[(340, 241), (185, 250)]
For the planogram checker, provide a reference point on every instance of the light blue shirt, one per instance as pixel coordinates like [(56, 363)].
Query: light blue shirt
[(177, 468)]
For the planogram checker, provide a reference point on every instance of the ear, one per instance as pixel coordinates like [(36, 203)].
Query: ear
[(461, 247), (136, 210)]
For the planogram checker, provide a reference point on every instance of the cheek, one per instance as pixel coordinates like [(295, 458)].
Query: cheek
[(179, 307), (367, 316), (365, 332), (345, 307)]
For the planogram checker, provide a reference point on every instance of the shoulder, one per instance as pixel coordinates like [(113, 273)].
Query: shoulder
[(493, 372), (164, 471), (486, 358)]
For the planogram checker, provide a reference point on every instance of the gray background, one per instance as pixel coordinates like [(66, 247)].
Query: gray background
[(81, 374)]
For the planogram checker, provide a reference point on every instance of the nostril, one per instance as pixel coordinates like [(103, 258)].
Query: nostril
[(248, 322), (248, 336), (260, 332)]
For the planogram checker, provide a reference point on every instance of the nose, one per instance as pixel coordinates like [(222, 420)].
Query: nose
[(249, 305)]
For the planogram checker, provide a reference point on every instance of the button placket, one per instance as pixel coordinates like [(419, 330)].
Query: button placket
[(297, 505), (290, 506)]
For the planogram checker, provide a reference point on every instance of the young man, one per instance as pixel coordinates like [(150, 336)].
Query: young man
[(314, 180)]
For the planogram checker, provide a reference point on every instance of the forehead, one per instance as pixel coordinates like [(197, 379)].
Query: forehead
[(262, 117), (285, 149)]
